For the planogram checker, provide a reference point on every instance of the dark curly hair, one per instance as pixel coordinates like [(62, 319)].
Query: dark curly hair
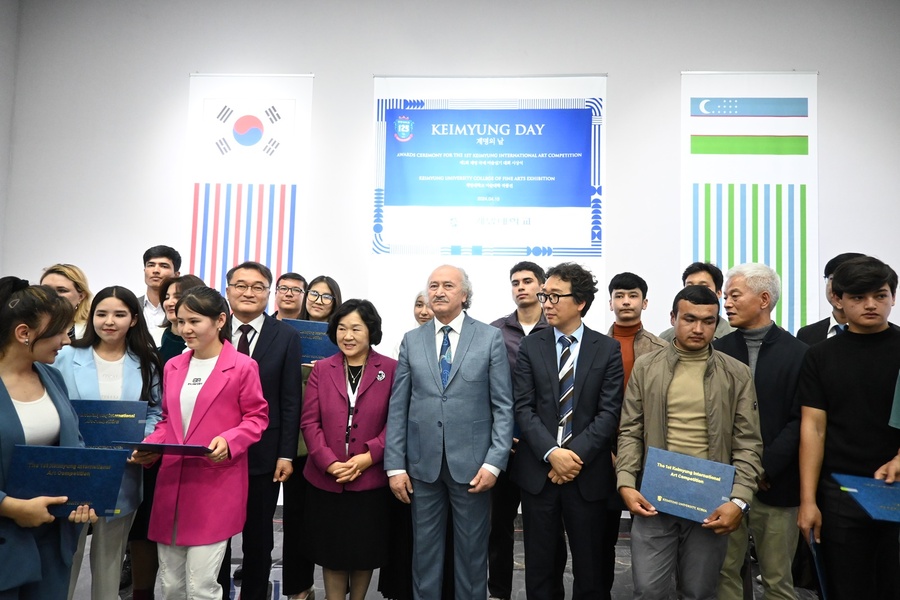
[(584, 286)]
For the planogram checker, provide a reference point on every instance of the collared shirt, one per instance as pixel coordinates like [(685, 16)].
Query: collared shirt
[(833, 326), (574, 349), (256, 324), (455, 328), (153, 314)]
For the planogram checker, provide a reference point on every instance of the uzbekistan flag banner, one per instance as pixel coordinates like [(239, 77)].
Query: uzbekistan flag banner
[(749, 180), (248, 140)]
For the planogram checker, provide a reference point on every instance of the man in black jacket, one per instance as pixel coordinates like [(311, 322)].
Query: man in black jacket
[(774, 357)]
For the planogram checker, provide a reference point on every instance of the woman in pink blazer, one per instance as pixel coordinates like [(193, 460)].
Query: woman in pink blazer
[(343, 422), (211, 397)]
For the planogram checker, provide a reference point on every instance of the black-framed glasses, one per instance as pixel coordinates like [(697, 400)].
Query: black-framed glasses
[(325, 298), (283, 289), (553, 298), (257, 288)]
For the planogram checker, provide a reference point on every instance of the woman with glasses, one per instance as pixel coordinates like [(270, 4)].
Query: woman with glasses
[(36, 549), (344, 421), (71, 283), (322, 296), (290, 294)]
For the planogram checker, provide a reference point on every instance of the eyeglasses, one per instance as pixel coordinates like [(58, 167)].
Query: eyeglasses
[(553, 298), (257, 288), (283, 289), (325, 298)]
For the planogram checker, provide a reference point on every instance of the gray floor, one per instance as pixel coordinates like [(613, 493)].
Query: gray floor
[(622, 589)]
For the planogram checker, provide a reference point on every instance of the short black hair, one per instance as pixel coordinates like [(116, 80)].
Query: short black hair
[(584, 286), (628, 281), (164, 252), (861, 275), (293, 276), (527, 265), (705, 267), (696, 294), (367, 313), (838, 260), (250, 264)]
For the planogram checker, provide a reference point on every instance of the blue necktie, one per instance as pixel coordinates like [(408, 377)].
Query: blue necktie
[(446, 356), (566, 388)]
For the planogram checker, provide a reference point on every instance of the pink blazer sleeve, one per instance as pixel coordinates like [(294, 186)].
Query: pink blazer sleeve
[(253, 407)]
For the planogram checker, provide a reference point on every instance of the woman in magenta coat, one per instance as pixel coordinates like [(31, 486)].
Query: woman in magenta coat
[(343, 422), (211, 397)]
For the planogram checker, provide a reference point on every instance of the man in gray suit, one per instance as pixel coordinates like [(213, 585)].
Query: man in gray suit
[(449, 432)]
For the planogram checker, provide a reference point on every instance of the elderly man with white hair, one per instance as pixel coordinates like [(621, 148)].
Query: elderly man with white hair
[(774, 356)]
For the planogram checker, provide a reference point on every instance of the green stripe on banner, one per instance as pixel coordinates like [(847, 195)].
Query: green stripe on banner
[(755, 222), (802, 255), (778, 246), (750, 144), (731, 220), (707, 191)]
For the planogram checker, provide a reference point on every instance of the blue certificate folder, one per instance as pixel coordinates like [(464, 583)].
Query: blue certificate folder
[(685, 486), (86, 475), (103, 421), (315, 344), (879, 499)]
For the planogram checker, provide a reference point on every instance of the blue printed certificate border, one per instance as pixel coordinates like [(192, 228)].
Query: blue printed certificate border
[(586, 235)]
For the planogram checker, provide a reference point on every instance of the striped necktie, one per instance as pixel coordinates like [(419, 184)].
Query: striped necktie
[(566, 389)]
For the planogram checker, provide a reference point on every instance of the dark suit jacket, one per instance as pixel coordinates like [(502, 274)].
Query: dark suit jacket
[(598, 400), (278, 355), (815, 332)]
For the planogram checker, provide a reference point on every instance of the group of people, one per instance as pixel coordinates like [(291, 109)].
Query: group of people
[(417, 464)]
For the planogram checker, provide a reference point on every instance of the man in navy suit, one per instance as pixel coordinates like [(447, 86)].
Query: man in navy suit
[(275, 346), (449, 432), (568, 392), (836, 322)]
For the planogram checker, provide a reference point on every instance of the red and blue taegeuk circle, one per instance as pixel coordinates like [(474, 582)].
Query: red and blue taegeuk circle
[(248, 130)]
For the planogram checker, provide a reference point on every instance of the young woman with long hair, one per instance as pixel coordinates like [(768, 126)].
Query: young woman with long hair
[(115, 360)]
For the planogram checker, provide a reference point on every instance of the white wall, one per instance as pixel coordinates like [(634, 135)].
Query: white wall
[(9, 37), (101, 103)]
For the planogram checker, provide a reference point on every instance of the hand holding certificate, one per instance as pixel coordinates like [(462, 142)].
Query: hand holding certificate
[(691, 488)]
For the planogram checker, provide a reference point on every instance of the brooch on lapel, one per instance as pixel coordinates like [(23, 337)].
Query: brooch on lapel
[(380, 376)]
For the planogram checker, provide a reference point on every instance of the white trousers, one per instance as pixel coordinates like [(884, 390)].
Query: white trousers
[(190, 572), (107, 552)]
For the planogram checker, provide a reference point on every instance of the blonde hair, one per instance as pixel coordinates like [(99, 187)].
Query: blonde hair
[(79, 280)]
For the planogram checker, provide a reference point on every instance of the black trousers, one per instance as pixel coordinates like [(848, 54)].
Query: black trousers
[(297, 570), (258, 539), (505, 498), (861, 556), (585, 522)]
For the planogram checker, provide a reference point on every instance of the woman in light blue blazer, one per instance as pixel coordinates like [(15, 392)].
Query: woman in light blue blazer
[(36, 549), (115, 360)]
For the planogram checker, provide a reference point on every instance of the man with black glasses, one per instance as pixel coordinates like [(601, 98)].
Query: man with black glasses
[(275, 346)]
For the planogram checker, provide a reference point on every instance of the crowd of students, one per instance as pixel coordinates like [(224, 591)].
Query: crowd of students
[(465, 422)]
